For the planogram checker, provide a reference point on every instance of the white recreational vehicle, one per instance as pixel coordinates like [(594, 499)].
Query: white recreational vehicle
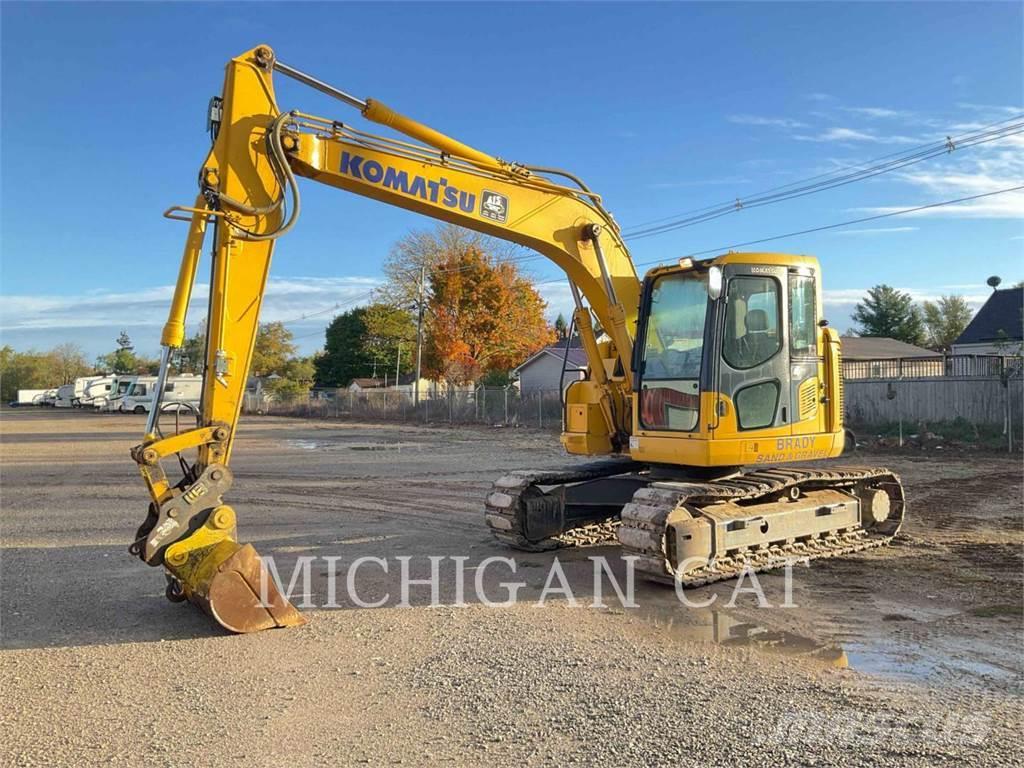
[(185, 389), (65, 396), (97, 392), (70, 395), (118, 390)]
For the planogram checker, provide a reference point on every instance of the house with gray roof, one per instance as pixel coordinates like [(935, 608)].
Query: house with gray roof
[(997, 328), (542, 371)]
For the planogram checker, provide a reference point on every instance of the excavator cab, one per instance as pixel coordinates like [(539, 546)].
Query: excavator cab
[(734, 365)]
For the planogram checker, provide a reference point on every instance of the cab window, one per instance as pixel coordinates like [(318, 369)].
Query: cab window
[(673, 351), (752, 322), (802, 321)]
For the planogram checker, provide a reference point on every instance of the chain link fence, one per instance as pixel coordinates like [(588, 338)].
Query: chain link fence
[(979, 391), (494, 406)]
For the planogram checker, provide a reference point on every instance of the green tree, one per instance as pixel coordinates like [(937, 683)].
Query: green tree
[(274, 348), (561, 327), (345, 354), (301, 370), (40, 370), (890, 313), (388, 330), (123, 359), (192, 358), (69, 362), (944, 321), (24, 370), (286, 390), (496, 378)]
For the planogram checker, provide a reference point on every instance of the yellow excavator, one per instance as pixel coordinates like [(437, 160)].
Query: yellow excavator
[(702, 377)]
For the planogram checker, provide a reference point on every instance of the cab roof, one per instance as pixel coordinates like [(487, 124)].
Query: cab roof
[(737, 257)]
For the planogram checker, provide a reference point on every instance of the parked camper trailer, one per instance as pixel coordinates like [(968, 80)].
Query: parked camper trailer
[(65, 396), (186, 389), (70, 395), (97, 392)]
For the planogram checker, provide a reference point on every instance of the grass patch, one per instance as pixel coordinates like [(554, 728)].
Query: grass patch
[(958, 430)]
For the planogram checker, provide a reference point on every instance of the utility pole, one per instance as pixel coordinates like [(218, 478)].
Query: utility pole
[(398, 363), (419, 337)]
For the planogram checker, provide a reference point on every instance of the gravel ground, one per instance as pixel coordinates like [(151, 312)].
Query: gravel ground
[(904, 656)]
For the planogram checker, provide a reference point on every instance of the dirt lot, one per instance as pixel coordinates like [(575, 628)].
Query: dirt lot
[(909, 655)]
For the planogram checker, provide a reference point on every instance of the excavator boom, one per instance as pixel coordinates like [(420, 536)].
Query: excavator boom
[(249, 197)]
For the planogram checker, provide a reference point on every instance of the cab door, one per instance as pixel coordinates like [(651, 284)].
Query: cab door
[(754, 362), (806, 371)]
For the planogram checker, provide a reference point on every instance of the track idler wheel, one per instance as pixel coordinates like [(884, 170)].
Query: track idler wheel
[(228, 581)]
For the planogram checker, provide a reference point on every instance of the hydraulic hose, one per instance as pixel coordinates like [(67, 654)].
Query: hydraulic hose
[(285, 178)]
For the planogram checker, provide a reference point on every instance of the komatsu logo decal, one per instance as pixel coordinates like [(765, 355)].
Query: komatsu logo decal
[(415, 186)]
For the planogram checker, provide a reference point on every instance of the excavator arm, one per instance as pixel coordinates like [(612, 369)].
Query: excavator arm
[(249, 196)]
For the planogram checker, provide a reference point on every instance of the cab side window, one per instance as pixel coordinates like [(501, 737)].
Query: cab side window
[(803, 336), (752, 324)]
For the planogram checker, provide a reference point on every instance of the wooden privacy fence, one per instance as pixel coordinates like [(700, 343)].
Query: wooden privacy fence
[(989, 400)]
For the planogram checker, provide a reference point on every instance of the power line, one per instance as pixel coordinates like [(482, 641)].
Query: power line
[(822, 228), (833, 172), (724, 248), (832, 183)]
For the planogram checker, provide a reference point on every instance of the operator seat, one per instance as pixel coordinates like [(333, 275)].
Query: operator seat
[(756, 345)]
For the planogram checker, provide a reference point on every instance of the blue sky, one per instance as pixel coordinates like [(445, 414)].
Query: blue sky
[(662, 108)]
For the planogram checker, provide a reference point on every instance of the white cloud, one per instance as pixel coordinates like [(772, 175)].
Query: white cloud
[(974, 294), (987, 168), (1004, 109), (286, 299), (819, 97), (776, 122), (879, 112), (854, 135), (557, 294)]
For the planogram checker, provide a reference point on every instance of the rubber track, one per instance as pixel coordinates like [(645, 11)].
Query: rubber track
[(643, 529), (504, 513)]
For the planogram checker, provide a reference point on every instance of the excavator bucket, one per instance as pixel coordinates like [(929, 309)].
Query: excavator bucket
[(229, 581)]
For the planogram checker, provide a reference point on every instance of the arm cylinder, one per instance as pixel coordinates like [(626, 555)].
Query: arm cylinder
[(174, 330)]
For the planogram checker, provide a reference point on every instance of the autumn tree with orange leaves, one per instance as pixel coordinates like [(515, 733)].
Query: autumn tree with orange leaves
[(483, 315)]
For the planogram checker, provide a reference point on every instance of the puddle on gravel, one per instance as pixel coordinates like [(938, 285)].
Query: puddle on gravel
[(888, 658), (895, 662), (330, 445), (723, 629)]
